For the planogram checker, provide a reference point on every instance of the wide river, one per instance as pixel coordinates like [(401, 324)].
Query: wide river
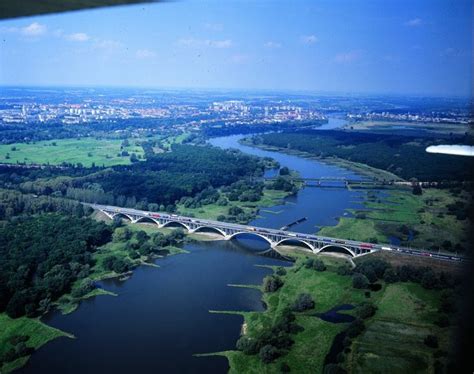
[(161, 318)]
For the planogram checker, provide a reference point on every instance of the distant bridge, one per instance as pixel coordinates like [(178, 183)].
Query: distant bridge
[(342, 182), (274, 237)]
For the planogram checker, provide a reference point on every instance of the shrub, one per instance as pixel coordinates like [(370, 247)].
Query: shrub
[(359, 281), (268, 353), (366, 310), (272, 283), (303, 302), (355, 328)]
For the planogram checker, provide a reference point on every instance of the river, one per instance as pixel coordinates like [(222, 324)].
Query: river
[(160, 317)]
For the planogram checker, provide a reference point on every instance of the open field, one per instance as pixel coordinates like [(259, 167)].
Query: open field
[(427, 215), (84, 150), (394, 339)]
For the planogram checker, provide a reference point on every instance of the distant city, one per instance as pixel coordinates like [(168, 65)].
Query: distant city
[(88, 108)]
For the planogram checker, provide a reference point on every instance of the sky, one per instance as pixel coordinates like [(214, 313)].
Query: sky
[(418, 47)]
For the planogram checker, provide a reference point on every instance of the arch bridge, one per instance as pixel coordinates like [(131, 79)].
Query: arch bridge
[(274, 237)]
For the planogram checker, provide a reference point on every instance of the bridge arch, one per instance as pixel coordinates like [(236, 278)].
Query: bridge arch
[(251, 233), (123, 215), (147, 219), (301, 241), (340, 247), (178, 223), (215, 229)]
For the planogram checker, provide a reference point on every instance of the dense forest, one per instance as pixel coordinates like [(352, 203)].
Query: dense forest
[(402, 155), (40, 258), (162, 180)]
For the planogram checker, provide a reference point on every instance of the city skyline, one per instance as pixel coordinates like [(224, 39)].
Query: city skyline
[(420, 48)]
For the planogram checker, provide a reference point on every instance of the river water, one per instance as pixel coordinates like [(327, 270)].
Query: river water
[(161, 318)]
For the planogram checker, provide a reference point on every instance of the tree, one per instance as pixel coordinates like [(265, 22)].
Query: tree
[(268, 353), (141, 237), (133, 158), (272, 283), (319, 265), (366, 310), (417, 189), (359, 281), (247, 345), (390, 276), (429, 280), (355, 328), (303, 302), (284, 171)]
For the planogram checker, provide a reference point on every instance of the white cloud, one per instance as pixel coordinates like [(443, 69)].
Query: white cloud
[(144, 53), (347, 57), (309, 39), (107, 44), (33, 29), (415, 22), (191, 42), (77, 37), (239, 58), (272, 45), (214, 26)]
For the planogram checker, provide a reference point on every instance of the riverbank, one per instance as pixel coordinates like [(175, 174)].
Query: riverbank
[(423, 221), (365, 170), (367, 352), (39, 333)]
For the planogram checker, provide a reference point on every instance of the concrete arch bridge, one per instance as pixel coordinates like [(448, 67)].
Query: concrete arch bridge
[(228, 231)]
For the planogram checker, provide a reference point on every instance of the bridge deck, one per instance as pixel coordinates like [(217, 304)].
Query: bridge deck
[(274, 236)]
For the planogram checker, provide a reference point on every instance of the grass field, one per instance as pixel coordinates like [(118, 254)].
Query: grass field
[(212, 211), (426, 214), (392, 342), (311, 345), (38, 332), (84, 150), (394, 339)]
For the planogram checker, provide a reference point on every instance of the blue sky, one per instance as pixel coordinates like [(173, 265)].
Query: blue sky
[(383, 46)]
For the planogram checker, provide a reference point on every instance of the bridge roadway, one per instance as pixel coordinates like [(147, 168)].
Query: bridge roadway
[(275, 237)]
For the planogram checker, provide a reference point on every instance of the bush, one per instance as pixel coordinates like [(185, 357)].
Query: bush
[(272, 283), (268, 353), (281, 271), (359, 281), (303, 302), (315, 264), (366, 310), (355, 328), (390, 276), (247, 345), (84, 288), (344, 270)]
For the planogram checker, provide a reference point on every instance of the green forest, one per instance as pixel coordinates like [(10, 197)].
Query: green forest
[(404, 156)]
